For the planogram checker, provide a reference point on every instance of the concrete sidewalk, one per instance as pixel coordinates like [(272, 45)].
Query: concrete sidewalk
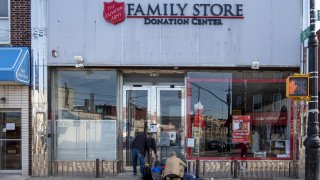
[(121, 176)]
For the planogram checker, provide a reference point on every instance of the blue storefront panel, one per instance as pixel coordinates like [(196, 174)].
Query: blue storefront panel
[(15, 65)]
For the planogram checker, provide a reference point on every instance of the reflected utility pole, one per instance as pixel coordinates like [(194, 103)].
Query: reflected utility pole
[(227, 102)]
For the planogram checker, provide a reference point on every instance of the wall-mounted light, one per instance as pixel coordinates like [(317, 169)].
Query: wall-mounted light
[(79, 60), (255, 65), (2, 100), (54, 53)]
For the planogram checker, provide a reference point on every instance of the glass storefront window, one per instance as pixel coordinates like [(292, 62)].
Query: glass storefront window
[(4, 22), (86, 114), (235, 114)]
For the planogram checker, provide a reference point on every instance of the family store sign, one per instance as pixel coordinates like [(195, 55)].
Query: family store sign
[(172, 13)]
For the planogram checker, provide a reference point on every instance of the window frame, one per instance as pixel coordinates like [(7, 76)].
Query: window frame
[(9, 22), (192, 79), (54, 107)]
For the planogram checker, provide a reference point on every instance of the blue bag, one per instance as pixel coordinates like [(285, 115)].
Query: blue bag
[(156, 169)]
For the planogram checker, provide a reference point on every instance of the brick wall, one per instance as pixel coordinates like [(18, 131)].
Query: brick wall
[(20, 27), (20, 23)]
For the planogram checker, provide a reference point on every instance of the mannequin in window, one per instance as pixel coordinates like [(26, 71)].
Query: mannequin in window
[(244, 149), (268, 131), (255, 141), (282, 121)]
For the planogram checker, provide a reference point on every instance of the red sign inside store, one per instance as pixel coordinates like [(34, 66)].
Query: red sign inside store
[(278, 118), (241, 129)]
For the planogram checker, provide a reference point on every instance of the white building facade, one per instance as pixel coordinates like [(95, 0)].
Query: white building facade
[(207, 79)]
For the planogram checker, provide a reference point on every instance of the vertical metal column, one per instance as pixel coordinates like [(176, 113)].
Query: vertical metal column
[(312, 142), (97, 168)]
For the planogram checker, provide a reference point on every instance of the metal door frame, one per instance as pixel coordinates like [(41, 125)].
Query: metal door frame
[(1, 141), (153, 110)]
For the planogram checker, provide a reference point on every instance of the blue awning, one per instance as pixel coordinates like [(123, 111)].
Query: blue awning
[(15, 65)]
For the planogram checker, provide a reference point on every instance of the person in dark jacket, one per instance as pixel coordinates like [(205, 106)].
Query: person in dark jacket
[(152, 146), (139, 148)]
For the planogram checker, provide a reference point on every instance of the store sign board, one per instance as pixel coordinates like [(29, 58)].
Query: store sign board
[(15, 65), (172, 13), (241, 129), (113, 12)]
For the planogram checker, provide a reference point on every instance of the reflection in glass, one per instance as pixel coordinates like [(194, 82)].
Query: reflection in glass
[(4, 8), (85, 114), (170, 109), (137, 114), (4, 30), (86, 95), (86, 139), (170, 120), (217, 97), (137, 109)]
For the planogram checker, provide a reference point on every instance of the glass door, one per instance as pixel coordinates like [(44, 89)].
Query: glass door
[(10, 140), (171, 118), (159, 110), (136, 102)]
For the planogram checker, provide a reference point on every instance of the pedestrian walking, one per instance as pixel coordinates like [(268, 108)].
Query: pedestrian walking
[(139, 148)]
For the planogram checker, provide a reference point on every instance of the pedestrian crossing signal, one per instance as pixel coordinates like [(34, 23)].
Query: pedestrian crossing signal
[(297, 87)]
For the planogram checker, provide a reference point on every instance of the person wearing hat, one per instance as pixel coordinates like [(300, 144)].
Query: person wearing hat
[(174, 167)]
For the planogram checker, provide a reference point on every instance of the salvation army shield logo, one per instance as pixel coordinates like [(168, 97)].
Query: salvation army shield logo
[(113, 12)]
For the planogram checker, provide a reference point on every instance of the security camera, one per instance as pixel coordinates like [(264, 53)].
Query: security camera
[(80, 65), (2, 99), (78, 59)]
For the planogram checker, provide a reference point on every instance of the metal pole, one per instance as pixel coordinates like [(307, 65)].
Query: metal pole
[(97, 168), (197, 168), (312, 142)]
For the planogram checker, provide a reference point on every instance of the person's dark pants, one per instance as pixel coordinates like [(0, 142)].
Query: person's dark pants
[(136, 154)]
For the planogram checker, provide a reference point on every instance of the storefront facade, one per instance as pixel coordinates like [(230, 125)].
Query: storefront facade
[(14, 110), (15, 79), (206, 79)]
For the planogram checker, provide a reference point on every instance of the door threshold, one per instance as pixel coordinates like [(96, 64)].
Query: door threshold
[(16, 172)]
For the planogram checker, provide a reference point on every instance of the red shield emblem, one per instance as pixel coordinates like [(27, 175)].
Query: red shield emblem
[(113, 12)]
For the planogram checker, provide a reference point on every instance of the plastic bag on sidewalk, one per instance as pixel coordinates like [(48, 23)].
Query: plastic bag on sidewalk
[(156, 176), (188, 176)]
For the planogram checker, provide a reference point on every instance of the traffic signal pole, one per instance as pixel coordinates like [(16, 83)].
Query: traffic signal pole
[(312, 142)]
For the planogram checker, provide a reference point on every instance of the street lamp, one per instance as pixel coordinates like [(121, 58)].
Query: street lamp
[(312, 142)]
